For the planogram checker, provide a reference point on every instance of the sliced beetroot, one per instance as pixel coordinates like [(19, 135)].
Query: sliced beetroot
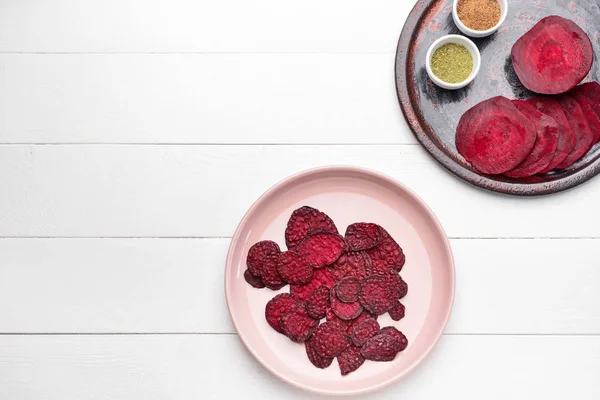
[(347, 289), (258, 253), (382, 347), (585, 137), (402, 289), (329, 340), (592, 91), (552, 57), (376, 295), (254, 281), (361, 318), (545, 144), (277, 307), (363, 236), (397, 311), (303, 221), (318, 302), (315, 359), (387, 257), (321, 277), (321, 248), (294, 269), (392, 331), (590, 115), (566, 136), (345, 326), (270, 275), (494, 137), (346, 311), (365, 331), (350, 360), (297, 325), (353, 263)]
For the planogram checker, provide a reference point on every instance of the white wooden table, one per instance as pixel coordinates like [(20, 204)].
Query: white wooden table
[(135, 134)]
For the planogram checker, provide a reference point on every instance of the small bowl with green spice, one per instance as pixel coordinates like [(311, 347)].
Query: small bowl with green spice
[(452, 62)]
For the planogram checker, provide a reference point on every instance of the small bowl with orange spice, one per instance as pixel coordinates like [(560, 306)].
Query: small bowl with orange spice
[(479, 18)]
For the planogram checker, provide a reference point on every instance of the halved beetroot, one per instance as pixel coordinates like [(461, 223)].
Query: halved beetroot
[(590, 114), (592, 91), (579, 123), (566, 136), (545, 144), (494, 136), (553, 57)]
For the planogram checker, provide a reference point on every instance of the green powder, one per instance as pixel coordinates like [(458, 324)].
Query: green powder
[(452, 63)]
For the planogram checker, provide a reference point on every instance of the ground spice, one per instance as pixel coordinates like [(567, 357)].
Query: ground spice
[(479, 15), (452, 63)]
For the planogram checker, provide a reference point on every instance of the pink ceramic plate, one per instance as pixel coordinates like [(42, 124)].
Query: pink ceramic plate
[(347, 195)]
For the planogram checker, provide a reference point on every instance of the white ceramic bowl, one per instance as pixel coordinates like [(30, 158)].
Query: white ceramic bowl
[(479, 34), (463, 41)]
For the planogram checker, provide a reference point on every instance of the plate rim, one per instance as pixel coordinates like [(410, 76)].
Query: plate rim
[(450, 165), (371, 174)]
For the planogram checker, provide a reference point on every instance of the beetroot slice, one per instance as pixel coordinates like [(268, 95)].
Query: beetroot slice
[(270, 275), (253, 281), (545, 144), (329, 340), (585, 137), (365, 331), (347, 289), (346, 311), (345, 326), (382, 347), (387, 257), (294, 269), (321, 248), (258, 253), (318, 302), (552, 57), (592, 91), (590, 115), (494, 137), (566, 135), (397, 311), (376, 295), (350, 360), (315, 359), (392, 331), (297, 325), (361, 318), (352, 264), (305, 220), (363, 236), (321, 277), (277, 307)]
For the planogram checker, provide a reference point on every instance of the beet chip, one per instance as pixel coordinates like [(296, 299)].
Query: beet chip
[(270, 275), (382, 347), (350, 359), (397, 311), (363, 236), (321, 277), (392, 331), (315, 359), (321, 248), (346, 311), (304, 221), (294, 269), (334, 319), (254, 281), (365, 331), (347, 289), (403, 289), (352, 263), (362, 317), (329, 340), (258, 254), (387, 256), (318, 302), (396, 285), (298, 325), (376, 294), (277, 307)]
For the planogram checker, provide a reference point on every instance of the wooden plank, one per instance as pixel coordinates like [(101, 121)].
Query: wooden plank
[(203, 191), (206, 367), (202, 26), (176, 285), (199, 98)]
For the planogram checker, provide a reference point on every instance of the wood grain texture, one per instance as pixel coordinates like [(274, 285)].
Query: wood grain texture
[(203, 191), (199, 98), (201, 26), (216, 367), (176, 286)]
